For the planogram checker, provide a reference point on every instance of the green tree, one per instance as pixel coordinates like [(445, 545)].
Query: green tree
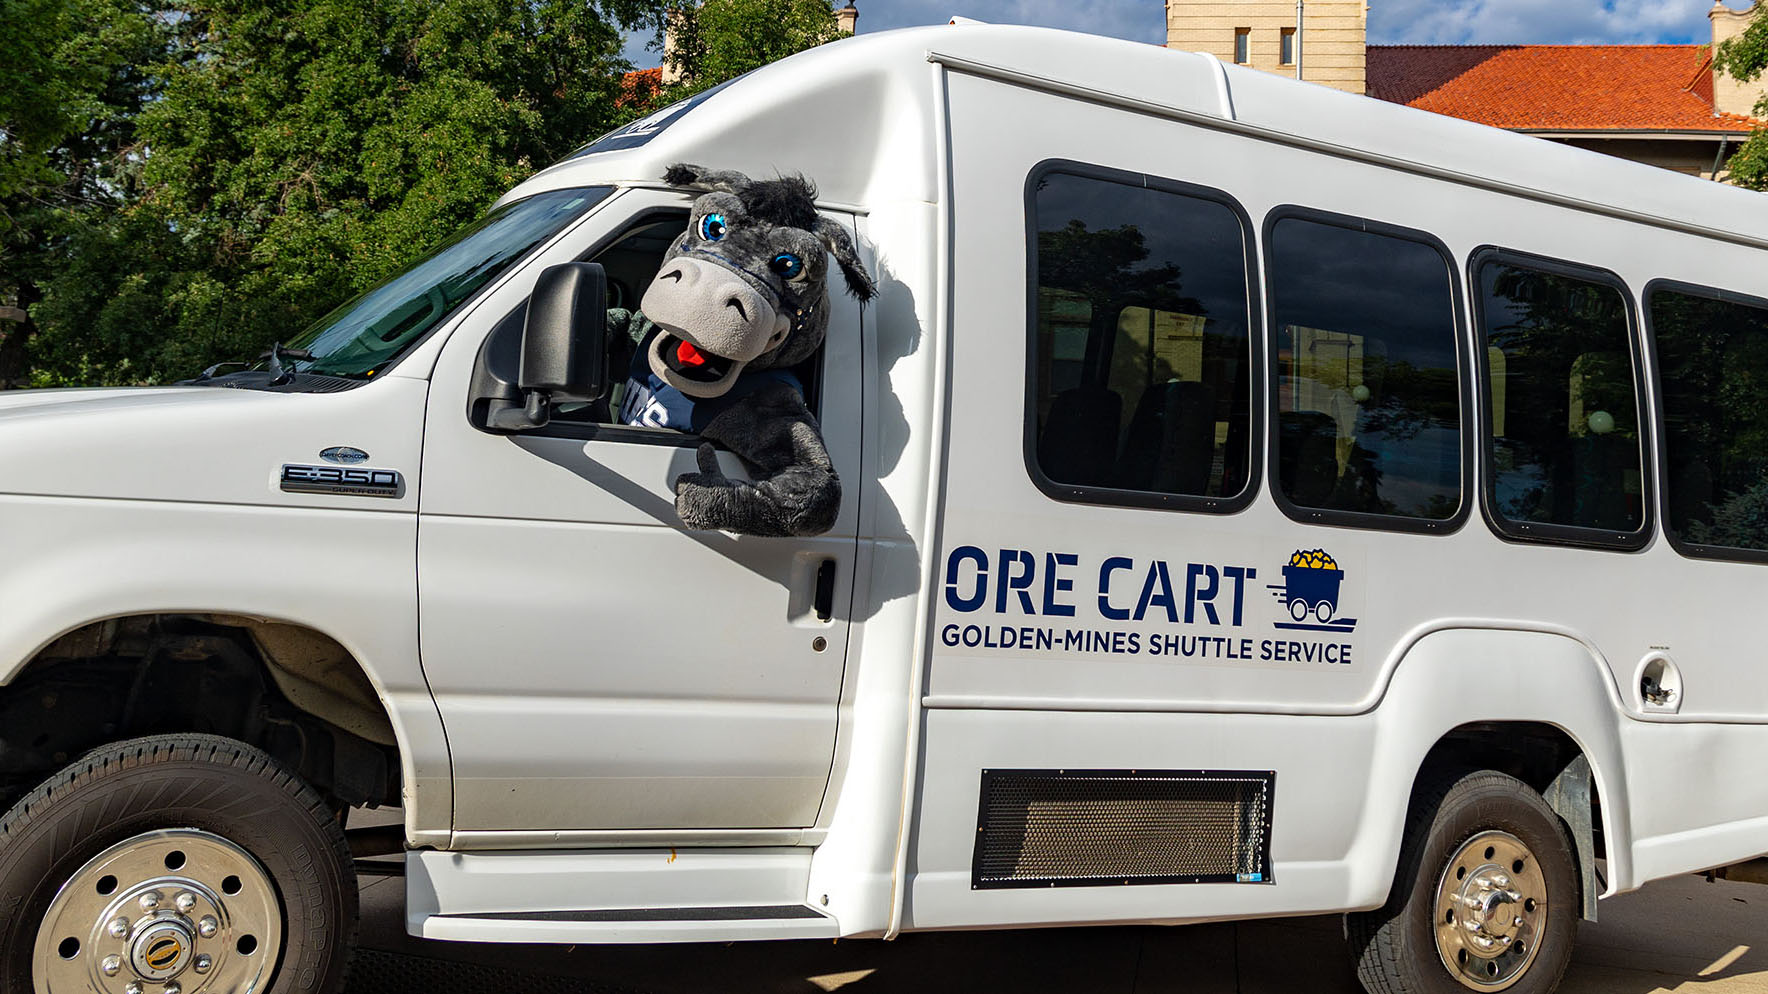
[(71, 85), (295, 152), (718, 40), (1744, 58)]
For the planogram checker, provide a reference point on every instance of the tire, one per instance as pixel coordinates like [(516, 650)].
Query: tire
[(1409, 947), (227, 871)]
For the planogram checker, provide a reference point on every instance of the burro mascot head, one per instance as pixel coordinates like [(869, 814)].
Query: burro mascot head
[(745, 287)]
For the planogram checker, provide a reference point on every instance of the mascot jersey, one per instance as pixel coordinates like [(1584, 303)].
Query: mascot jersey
[(651, 403)]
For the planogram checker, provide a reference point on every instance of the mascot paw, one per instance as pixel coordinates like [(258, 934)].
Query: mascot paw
[(707, 500)]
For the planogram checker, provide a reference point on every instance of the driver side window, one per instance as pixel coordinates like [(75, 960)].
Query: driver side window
[(631, 260)]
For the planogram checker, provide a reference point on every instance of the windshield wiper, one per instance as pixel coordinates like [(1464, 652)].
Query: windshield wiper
[(279, 374)]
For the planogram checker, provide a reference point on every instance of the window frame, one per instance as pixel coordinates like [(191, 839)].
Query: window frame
[(1111, 496), (1683, 547), (1463, 382), (1286, 46), (1243, 39), (1530, 532)]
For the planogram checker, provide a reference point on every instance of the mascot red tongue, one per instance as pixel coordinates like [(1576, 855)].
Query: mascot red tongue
[(740, 300)]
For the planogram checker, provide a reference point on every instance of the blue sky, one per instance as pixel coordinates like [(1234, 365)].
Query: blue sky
[(1424, 22)]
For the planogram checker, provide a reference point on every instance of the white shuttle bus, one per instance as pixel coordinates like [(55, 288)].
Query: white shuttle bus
[(1258, 500)]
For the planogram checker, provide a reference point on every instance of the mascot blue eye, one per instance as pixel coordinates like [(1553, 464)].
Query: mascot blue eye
[(712, 227), (787, 265)]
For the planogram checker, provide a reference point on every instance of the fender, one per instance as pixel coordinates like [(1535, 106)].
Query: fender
[(348, 574), (1453, 676)]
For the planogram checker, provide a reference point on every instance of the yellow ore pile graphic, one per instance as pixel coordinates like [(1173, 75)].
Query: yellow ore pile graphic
[(1313, 559)]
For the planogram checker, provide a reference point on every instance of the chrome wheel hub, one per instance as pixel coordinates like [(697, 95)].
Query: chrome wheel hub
[(176, 911), (1491, 909)]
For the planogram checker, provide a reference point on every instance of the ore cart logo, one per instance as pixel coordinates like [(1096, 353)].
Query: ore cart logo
[(1310, 591)]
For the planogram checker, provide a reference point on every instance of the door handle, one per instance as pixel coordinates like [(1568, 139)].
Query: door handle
[(823, 602)]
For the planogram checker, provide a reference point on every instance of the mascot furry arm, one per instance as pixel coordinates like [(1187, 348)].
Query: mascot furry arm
[(738, 302)]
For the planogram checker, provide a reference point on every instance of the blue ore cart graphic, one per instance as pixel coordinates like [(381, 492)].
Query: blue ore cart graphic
[(1310, 590)]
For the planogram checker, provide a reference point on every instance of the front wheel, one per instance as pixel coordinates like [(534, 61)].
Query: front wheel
[(174, 863), (1485, 898)]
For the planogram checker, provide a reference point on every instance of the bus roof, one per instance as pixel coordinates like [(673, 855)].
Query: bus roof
[(858, 116)]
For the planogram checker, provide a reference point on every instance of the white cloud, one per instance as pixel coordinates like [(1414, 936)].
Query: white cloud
[(1464, 22), (1137, 20)]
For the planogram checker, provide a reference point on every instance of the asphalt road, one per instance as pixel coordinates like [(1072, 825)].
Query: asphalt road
[(1681, 935)]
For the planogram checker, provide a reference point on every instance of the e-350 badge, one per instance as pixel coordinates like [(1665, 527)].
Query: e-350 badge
[(345, 480)]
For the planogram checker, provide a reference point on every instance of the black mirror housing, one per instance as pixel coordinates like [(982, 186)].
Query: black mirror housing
[(561, 355), (564, 353)]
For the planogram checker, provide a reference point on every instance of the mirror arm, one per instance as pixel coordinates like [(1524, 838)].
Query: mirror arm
[(534, 413)]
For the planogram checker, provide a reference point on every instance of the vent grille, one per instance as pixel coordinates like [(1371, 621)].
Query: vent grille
[(1075, 828)]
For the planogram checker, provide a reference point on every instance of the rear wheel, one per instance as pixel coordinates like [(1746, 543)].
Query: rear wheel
[(175, 864), (1485, 898)]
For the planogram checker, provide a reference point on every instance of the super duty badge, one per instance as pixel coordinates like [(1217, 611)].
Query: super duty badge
[(346, 480)]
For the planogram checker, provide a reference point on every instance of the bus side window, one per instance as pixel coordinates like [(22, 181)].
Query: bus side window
[(1141, 341), (1560, 381), (1712, 352), (1368, 399)]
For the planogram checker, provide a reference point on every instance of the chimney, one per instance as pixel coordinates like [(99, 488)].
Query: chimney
[(671, 29), (846, 18), (1729, 95)]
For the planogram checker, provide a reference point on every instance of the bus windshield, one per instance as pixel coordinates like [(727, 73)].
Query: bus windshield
[(363, 336)]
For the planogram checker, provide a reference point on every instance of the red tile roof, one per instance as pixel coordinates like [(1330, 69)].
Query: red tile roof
[(640, 86), (1556, 87)]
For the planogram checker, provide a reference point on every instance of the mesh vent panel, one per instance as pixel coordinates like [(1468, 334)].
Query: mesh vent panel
[(1048, 828)]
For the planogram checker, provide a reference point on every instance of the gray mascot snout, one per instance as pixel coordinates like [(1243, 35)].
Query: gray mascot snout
[(739, 301)]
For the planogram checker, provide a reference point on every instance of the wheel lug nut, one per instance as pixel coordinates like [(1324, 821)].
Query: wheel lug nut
[(202, 963), (186, 901), (150, 900), (132, 987), (207, 927), (111, 965), (172, 987), (119, 927)]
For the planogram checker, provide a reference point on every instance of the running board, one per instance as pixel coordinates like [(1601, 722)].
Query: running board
[(694, 895)]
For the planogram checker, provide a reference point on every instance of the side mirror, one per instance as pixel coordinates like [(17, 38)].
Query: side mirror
[(564, 345)]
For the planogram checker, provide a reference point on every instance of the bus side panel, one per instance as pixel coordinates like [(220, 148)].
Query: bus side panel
[(1341, 791), (1691, 808)]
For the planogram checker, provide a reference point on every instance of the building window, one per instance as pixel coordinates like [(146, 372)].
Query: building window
[(1242, 45), (1289, 46), (1712, 359), (1563, 440), (1368, 398), (1141, 343)]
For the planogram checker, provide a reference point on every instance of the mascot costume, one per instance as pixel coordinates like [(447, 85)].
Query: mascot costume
[(739, 301)]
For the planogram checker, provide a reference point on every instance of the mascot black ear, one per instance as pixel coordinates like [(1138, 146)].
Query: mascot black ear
[(694, 177), (834, 238)]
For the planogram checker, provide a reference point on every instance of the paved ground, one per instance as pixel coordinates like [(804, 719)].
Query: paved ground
[(1682, 935)]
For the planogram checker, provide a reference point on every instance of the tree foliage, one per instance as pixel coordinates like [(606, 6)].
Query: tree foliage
[(1744, 58), (188, 181), (717, 40), (271, 158)]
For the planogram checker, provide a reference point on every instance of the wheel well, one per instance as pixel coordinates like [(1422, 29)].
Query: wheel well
[(1544, 757), (292, 691)]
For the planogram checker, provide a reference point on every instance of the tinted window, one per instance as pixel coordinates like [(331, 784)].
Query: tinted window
[(1368, 404), (1564, 444), (1713, 366), (1140, 341)]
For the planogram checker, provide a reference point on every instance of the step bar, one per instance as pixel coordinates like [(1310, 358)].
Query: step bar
[(614, 896)]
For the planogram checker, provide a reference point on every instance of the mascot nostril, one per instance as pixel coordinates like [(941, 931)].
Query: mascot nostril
[(719, 361)]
